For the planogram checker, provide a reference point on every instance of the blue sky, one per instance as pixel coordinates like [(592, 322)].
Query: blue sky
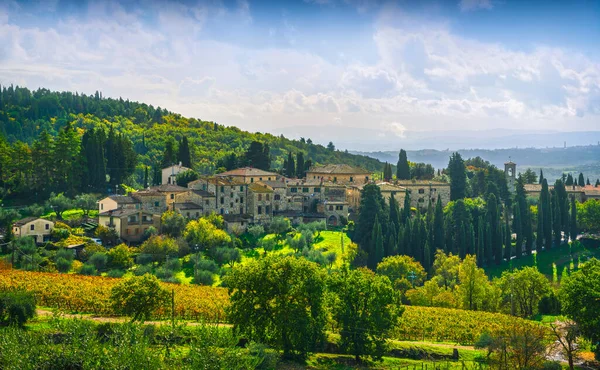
[(367, 73)]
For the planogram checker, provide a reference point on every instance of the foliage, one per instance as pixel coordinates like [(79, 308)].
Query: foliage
[(205, 234), (107, 235), (138, 297), (580, 294), (280, 226), (366, 309), (59, 203), (474, 288), (588, 215), (525, 287), (403, 271), (279, 302), (185, 177), (16, 307), (172, 223), (457, 173), (518, 347), (159, 247), (120, 257)]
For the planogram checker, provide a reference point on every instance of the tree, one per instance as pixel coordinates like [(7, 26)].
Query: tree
[(580, 293), (138, 297), (16, 307), (586, 216), (458, 177), (402, 168), (518, 346), (290, 170), (438, 226), (331, 147), (446, 268), (185, 177), (172, 223), (473, 285), (119, 257), (169, 157), (205, 234), (376, 250), (581, 181), (278, 301), (566, 334), (183, 153), (372, 205), (402, 268), (366, 309), (159, 247), (525, 287), (529, 177), (280, 226), (300, 167), (107, 235), (86, 202), (59, 203), (541, 176)]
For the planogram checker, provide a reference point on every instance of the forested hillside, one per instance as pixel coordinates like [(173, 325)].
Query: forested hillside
[(45, 134)]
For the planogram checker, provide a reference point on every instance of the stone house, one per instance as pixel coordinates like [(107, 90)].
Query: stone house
[(118, 201), (339, 174), (230, 194), (534, 191), (151, 200), (129, 224), (250, 175), (387, 190), (35, 227), (169, 174), (200, 200), (260, 202), (281, 201), (421, 191)]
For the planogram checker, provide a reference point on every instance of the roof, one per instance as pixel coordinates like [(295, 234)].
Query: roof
[(187, 205), (123, 199), (532, 187), (591, 190), (274, 184), (203, 193), (147, 193), (510, 162), (122, 212), (220, 180), (413, 182), (26, 220), (178, 166), (168, 188), (339, 169), (386, 186), (259, 188), (247, 172), (334, 202)]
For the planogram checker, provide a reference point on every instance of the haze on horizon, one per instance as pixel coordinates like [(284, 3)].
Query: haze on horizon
[(366, 74)]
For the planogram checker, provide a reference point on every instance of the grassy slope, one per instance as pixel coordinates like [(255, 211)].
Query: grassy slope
[(563, 257)]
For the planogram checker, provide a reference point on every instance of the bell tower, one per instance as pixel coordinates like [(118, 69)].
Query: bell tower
[(510, 171)]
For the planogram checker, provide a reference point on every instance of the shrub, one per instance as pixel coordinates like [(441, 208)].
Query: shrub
[(99, 260), (138, 297), (163, 273), (16, 307), (120, 257), (115, 273), (63, 265), (88, 269), (144, 259), (207, 265), (143, 270), (204, 277), (173, 264), (549, 305)]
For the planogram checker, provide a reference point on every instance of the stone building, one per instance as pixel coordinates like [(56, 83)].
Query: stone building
[(129, 224), (421, 191), (37, 228), (510, 171), (230, 193), (169, 174), (387, 190), (260, 202), (339, 174), (250, 175)]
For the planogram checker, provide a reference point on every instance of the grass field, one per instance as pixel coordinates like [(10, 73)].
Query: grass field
[(70, 214), (551, 263)]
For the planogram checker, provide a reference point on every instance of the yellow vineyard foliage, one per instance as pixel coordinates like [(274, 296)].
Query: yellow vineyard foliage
[(91, 294)]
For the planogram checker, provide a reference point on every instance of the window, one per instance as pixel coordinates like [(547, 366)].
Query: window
[(269, 179), (137, 206), (172, 196), (230, 204), (101, 206), (241, 188), (293, 190), (222, 211), (421, 200), (259, 210), (367, 179), (331, 208), (434, 190), (241, 210), (260, 178), (268, 197), (241, 199), (259, 197), (351, 179), (32, 227), (305, 190), (339, 208), (335, 179), (222, 200), (237, 200), (317, 190), (206, 202), (47, 226), (222, 189), (277, 197), (132, 219), (231, 195), (156, 204), (268, 209), (252, 179), (421, 191)]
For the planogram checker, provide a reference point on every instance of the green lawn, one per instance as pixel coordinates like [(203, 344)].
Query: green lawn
[(550, 263), (70, 214)]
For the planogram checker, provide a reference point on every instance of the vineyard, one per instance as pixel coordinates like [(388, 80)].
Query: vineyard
[(451, 325), (91, 294)]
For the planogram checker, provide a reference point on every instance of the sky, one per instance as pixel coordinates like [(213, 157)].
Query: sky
[(365, 74)]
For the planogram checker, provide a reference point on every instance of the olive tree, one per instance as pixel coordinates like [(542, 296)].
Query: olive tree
[(138, 297)]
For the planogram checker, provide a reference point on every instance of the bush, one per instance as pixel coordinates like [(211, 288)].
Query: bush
[(88, 269), (99, 260), (144, 259), (173, 264), (163, 273), (63, 265), (207, 265), (551, 365), (138, 297), (115, 273), (16, 307), (268, 357), (204, 277), (120, 257), (143, 270)]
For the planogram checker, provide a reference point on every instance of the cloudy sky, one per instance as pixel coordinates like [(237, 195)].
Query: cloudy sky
[(363, 73)]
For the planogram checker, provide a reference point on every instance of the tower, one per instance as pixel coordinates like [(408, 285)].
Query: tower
[(510, 171)]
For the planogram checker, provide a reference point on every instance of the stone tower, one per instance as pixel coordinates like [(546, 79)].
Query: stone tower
[(510, 171)]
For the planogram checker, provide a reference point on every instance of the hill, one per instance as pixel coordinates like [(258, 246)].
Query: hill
[(25, 114)]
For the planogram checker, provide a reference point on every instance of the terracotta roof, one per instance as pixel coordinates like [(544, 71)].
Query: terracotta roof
[(247, 172), (386, 186), (218, 180), (203, 193), (168, 188), (591, 190), (259, 188), (123, 199), (187, 205), (178, 167), (339, 169), (274, 184), (25, 221), (532, 187), (147, 193), (413, 182)]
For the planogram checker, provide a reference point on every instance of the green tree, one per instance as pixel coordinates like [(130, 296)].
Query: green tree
[(402, 268), (278, 301), (59, 203), (366, 309), (138, 297), (438, 226), (376, 250), (183, 153), (172, 223), (473, 285), (169, 156), (580, 293), (280, 226), (586, 216), (290, 170), (372, 205), (300, 166), (402, 168), (120, 257), (458, 177), (525, 287), (86, 202), (331, 147), (205, 234), (529, 177), (546, 214), (185, 177), (581, 181)]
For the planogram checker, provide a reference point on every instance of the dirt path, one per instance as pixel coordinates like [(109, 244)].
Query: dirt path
[(102, 319)]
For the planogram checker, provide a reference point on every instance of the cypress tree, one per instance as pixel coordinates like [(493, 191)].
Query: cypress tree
[(407, 242), (265, 158), (401, 247), (569, 181), (573, 223), (556, 219), (539, 235), (291, 166), (391, 245), (541, 176), (581, 181), (372, 205), (545, 195), (300, 172), (528, 233), (497, 243), (377, 251), (438, 226), (406, 209), (493, 222), (462, 241), (517, 226), (597, 183), (145, 177), (471, 246), (402, 168), (587, 182), (488, 245), (183, 153), (507, 238), (458, 177), (169, 156), (394, 211), (481, 235), (427, 258)]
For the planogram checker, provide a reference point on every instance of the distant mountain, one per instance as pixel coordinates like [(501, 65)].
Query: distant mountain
[(554, 161)]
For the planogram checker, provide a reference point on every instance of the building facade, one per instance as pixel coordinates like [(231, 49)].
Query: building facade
[(37, 228)]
